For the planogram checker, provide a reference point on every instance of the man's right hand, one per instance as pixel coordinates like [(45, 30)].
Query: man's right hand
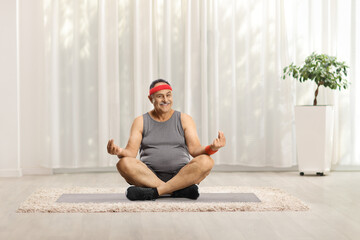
[(113, 149)]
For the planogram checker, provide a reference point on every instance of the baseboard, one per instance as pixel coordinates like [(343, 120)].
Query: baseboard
[(238, 168), (37, 171), (84, 170), (217, 168), (10, 173), (345, 168)]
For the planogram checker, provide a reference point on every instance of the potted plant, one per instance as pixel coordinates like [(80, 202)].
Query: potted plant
[(314, 123)]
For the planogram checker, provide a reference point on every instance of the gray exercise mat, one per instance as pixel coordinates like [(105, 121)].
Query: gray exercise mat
[(120, 197)]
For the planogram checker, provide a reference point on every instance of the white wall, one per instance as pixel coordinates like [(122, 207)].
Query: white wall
[(9, 133)]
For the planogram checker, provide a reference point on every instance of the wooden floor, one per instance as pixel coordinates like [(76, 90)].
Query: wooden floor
[(334, 201)]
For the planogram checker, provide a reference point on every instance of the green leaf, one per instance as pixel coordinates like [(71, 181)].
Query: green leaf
[(320, 68)]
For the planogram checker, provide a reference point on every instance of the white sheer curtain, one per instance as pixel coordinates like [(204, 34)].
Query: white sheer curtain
[(223, 58), (330, 27)]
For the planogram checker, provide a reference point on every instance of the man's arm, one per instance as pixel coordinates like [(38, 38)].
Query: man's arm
[(192, 139), (133, 144)]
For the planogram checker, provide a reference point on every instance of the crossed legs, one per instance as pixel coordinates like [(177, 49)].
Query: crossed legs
[(137, 173)]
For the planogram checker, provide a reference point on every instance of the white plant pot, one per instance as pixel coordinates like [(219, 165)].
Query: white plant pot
[(314, 138)]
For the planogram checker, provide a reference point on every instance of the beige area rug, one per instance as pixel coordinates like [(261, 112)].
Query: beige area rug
[(271, 199)]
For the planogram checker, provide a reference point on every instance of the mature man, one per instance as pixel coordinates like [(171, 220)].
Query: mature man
[(165, 138)]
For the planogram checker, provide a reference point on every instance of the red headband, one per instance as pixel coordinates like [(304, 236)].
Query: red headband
[(158, 88)]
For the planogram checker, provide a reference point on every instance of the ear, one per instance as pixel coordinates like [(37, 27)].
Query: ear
[(151, 99)]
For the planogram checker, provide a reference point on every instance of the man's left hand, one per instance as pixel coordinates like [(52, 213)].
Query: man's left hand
[(219, 142)]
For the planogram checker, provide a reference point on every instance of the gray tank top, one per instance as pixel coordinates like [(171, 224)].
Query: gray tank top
[(163, 147)]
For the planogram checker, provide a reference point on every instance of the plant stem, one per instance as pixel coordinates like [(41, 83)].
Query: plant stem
[(316, 93)]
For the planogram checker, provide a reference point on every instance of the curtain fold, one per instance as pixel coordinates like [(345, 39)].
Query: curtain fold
[(224, 60)]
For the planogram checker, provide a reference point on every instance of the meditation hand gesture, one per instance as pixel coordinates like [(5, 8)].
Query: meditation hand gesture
[(219, 142), (113, 149)]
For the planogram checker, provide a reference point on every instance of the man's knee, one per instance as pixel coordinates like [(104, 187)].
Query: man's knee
[(206, 163), (124, 164)]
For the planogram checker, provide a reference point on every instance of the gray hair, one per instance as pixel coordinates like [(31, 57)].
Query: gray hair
[(157, 81)]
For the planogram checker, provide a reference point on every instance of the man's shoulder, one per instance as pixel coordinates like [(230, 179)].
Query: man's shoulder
[(185, 115), (139, 118), (138, 122), (186, 119)]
